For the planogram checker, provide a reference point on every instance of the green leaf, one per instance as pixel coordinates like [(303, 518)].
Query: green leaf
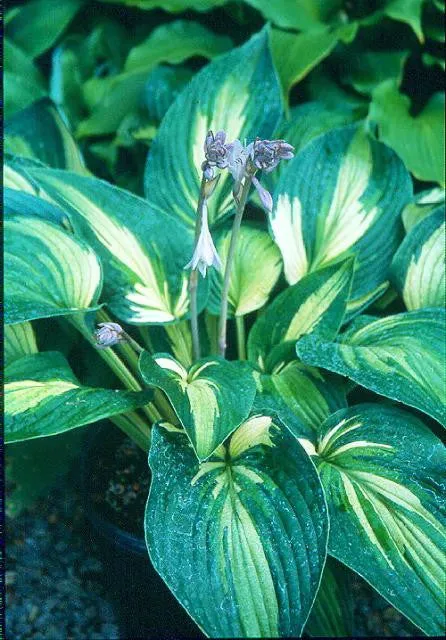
[(303, 15), (237, 92), (303, 397), (323, 87), (120, 94), (386, 519), (211, 399), (19, 341), (295, 55), (332, 612), (418, 266), (20, 92), (240, 540), (366, 70), (48, 272), (143, 251), (341, 195), (400, 357), (418, 140), (16, 61), (39, 132), (174, 6), (44, 398), (255, 271), (316, 303), (162, 87), (423, 204), (408, 11), (37, 25), (174, 43)]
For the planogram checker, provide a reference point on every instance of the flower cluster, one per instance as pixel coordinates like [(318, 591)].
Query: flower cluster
[(242, 162)]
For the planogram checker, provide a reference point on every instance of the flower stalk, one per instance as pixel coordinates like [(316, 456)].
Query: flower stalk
[(241, 204)]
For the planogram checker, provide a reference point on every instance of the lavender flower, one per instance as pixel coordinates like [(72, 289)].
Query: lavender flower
[(265, 196), (108, 334), (215, 149), (205, 254), (267, 154)]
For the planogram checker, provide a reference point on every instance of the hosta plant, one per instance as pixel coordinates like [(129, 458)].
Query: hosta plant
[(290, 406)]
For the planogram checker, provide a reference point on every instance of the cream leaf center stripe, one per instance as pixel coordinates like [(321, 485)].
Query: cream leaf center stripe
[(347, 219), (30, 393)]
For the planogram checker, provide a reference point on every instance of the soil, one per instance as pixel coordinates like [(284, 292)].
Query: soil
[(118, 482), (54, 580)]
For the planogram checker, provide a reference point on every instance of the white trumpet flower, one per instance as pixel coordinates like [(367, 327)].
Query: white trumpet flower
[(205, 254)]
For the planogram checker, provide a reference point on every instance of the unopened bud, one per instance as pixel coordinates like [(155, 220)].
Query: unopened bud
[(108, 334)]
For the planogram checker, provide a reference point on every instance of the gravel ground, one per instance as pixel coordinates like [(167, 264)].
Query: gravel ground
[(53, 578), (55, 581), (374, 617)]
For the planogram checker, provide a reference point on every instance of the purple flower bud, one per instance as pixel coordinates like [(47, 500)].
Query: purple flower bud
[(205, 254), (108, 334), (208, 171), (238, 157), (215, 150), (264, 195), (267, 154)]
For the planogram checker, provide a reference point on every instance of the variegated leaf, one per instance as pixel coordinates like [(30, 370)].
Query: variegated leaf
[(239, 93), (39, 132), (342, 195), (20, 341), (211, 399), (303, 397), (386, 519), (15, 175), (306, 122), (418, 268), (255, 270), (48, 272), (44, 398), (143, 250), (401, 357), (22, 203), (424, 203), (240, 539), (316, 303)]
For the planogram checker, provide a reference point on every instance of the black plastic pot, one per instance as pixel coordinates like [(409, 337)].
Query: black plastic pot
[(145, 605)]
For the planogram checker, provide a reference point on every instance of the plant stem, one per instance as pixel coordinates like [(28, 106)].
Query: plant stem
[(145, 334), (117, 366), (179, 337), (241, 340), (222, 325), (212, 328), (127, 425), (193, 286), (128, 348), (193, 278)]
